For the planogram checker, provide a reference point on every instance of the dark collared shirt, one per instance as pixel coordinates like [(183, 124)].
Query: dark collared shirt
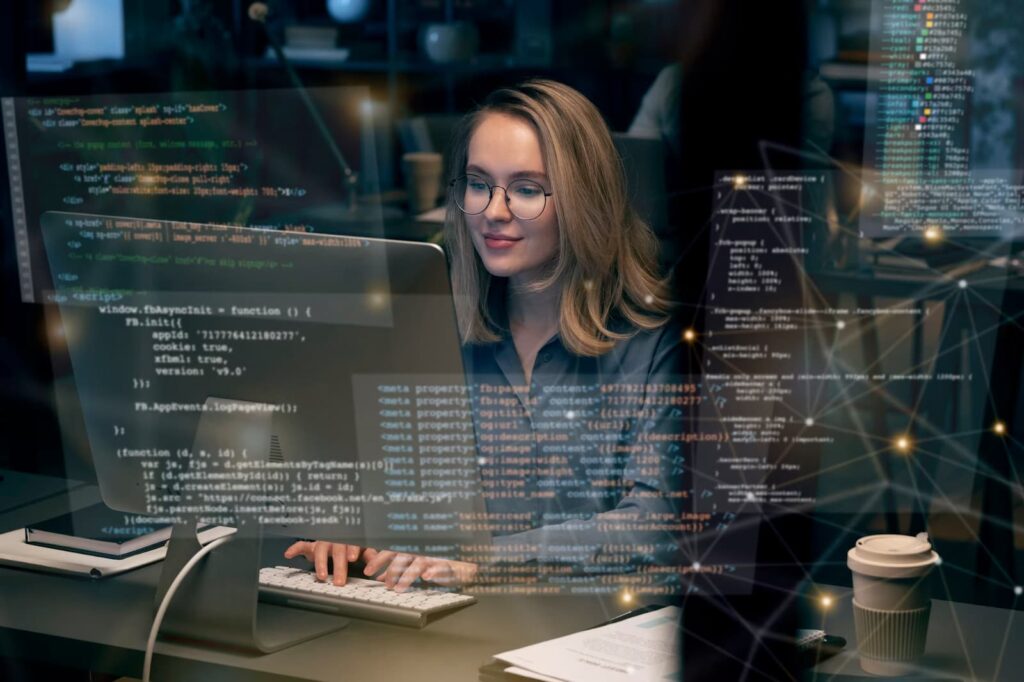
[(584, 463)]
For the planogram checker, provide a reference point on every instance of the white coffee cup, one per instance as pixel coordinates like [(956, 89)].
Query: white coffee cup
[(891, 604), (422, 172)]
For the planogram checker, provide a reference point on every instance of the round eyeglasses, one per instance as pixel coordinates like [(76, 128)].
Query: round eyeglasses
[(525, 199)]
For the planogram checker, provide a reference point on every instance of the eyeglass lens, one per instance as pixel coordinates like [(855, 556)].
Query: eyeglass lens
[(525, 198)]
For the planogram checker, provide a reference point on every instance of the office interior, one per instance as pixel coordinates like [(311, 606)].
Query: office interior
[(918, 423)]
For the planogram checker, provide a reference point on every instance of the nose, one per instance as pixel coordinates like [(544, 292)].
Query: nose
[(497, 210)]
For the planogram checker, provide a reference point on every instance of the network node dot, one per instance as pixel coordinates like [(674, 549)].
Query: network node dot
[(648, 299), (696, 566), (626, 597), (999, 428), (826, 601), (482, 461), (809, 421), (570, 415), (1018, 590), (689, 336), (840, 325), (962, 284)]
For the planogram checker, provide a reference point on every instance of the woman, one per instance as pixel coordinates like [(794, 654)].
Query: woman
[(561, 312)]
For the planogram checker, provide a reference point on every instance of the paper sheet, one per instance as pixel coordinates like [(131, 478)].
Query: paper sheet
[(523, 672), (642, 648)]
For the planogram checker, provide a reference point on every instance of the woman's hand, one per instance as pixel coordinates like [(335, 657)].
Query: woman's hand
[(402, 570), (319, 551)]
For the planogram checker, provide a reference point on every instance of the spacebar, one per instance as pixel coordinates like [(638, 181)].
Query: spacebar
[(344, 607)]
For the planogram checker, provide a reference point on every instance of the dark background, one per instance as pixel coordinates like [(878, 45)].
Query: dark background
[(744, 63)]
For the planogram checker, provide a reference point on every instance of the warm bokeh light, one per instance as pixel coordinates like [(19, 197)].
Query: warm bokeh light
[(377, 300), (933, 234)]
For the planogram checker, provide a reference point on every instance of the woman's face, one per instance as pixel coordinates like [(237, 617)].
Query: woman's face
[(502, 149)]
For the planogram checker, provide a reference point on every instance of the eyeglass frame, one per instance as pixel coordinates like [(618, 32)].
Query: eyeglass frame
[(504, 190)]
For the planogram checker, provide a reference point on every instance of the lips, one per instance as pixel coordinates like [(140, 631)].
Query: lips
[(500, 241)]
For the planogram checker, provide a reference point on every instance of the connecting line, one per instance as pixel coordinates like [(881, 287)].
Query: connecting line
[(166, 602)]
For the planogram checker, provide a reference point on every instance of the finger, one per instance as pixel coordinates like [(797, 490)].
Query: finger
[(378, 562), (296, 548), (411, 574), (368, 554), (440, 572), (321, 550), (339, 553), (396, 568), (381, 562), (353, 552)]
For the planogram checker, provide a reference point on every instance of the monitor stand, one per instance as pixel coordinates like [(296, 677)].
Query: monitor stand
[(219, 601)]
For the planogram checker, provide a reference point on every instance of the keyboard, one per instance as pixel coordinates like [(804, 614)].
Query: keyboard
[(358, 597)]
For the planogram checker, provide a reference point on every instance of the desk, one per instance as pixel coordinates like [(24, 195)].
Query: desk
[(965, 642), (102, 625)]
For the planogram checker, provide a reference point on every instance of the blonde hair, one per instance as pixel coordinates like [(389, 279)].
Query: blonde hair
[(607, 255)]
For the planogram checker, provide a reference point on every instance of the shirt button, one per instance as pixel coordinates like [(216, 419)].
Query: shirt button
[(545, 357)]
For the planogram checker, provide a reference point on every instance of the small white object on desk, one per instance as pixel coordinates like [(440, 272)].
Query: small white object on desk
[(434, 215)]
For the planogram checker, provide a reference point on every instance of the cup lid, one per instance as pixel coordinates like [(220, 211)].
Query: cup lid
[(892, 556)]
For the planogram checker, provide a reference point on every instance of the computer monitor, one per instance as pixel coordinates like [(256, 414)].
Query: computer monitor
[(269, 380), (252, 157)]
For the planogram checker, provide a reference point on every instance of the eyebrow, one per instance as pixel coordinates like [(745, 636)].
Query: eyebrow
[(532, 175)]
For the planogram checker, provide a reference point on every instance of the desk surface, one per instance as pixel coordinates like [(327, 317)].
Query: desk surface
[(965, 642), (102, 625)]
